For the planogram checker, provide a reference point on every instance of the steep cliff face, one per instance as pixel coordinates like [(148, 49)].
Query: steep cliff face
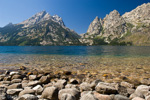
[(95, 27), (139, 15), (130, 28), (114, 26), (40, 29)]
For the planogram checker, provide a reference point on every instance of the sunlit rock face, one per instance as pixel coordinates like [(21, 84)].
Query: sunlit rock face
[(40, 29), (132, 27)]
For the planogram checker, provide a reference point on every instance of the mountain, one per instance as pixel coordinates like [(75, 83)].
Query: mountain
[(132, 28), (40, 29)]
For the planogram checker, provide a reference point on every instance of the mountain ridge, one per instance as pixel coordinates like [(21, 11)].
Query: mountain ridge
[(131, 28), (119, 30), (40, 29)]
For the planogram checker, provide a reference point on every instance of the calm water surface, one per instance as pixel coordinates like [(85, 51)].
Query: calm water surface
[(78, 50), (77, 57)]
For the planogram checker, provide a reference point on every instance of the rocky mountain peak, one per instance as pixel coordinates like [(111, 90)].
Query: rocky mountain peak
[(96, 18), (114, 12), (41, 16), (58, 19), (95, 26), (114, 25), (9, 24), (113, 20), (138, 15)]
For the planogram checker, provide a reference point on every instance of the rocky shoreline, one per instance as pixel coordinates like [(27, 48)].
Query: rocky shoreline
[(26, 84)]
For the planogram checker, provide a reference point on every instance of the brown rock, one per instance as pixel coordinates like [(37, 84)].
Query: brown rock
[(7, 79), (16, 81), (74, 81), (138, 98), (14, 91), (60, 84), (17, 77), (88, 96), (23, 68), (15, 86), (85, 87), (73, 92), (33, 83), (38, 89), (105, 88), (67, 72), (127, 85), (28, 97), (50, 93), (44, 80), (102, 96), (32, 77), (66, 96), (26, 91), (120, 97)]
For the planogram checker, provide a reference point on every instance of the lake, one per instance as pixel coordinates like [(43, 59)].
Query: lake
[(132, 62), (131, 51)]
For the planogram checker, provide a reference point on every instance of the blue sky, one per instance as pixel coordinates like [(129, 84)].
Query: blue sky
[(77, 14)]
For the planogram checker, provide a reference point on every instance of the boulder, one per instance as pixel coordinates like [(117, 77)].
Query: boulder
[(127, 85), (24, 83), (130, 91), (26, 91), (122, 90), (102, 96), (88, 96), (73, 92), (44, 80), (3, 95), (67, 96), (72, 86), (120, 97), (33, 83), (67, 72), (15, 86), (138, 98), (13, 73), (85, 87), (73, 81), (38, 89), (32, 77), (141, 91), (94, 83), (86, 92), (147, 97), (28, 97), (7, 78), (60, 84), (105, 88), (23, 68), (2, 77), (6, 82), (17, 77), (50, 93), (16, 81), (14, 91), (145, 81)]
